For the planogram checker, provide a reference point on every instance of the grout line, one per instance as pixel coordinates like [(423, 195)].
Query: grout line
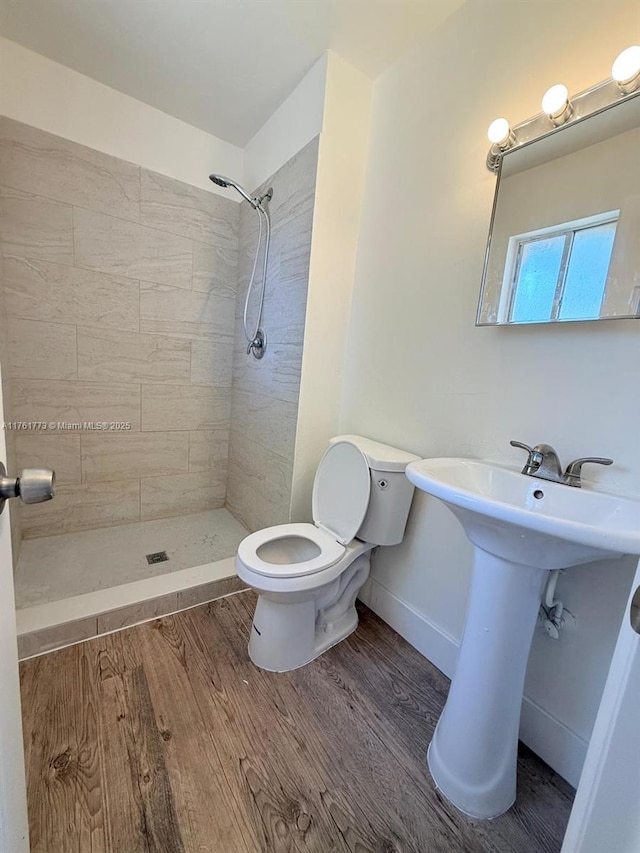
[(73, 235), (138, 221)]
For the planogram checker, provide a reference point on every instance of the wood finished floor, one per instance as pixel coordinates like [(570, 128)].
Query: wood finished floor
[(164, 738)]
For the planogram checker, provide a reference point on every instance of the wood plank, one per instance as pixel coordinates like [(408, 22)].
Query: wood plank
[(141, 809), (357, 764), (164, 738), (207, 805), (282, 794), (63, 769), (276, 805), (404, 713)]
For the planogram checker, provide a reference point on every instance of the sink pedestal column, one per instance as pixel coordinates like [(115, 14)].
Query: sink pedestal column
[(472, 756)]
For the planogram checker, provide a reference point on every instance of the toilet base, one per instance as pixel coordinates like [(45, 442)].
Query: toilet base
[(285, 636)]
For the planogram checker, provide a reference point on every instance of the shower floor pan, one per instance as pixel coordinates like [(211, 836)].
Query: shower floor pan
[(77, 585)]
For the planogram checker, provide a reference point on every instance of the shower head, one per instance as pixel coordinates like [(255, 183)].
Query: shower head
[(227, 183)]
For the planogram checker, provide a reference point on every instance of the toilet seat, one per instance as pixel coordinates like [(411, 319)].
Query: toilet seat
[(330, 551), (340, 499)]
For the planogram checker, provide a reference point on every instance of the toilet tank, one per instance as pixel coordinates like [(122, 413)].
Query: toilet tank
[(391, 492)]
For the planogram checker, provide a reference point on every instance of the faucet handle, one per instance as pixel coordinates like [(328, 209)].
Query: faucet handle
[(521, 446), (534, 459), (535, 453), (574, 469)]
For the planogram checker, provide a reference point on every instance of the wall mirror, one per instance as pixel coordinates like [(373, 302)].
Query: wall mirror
[(564, 241)]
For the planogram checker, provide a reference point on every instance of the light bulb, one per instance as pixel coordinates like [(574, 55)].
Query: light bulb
[(555, 103), (499, 132), (626, 69)]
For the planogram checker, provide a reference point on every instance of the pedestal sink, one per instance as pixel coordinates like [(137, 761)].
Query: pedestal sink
[(521, 527)]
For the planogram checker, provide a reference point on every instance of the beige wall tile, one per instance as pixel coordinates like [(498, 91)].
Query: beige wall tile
[(168, 310), (105, 355), (42, 350), (183, 407), (276, 375), (212, 362), (83, 506), (285, 309), (59, 452), (54, 638), (215, 269), (120, 247), (48, 165), (39, 290), (133, 455), (208, 450), (294, 185), (75, 402), (134, 613), (258, 484), (34, 227), (295, 251), (129, 227), (266, 421), (265, 393), (15, 525), (179, 208), (162, 497), (209, 592)]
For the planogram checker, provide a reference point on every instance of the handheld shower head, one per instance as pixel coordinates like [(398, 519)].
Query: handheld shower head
[(227, 183), (256, 338)]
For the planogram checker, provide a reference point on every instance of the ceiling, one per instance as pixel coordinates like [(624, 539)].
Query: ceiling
[(221, 65)]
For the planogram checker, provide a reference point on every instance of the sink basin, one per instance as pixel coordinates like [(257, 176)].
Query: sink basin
[(536, 522), (522, 528)]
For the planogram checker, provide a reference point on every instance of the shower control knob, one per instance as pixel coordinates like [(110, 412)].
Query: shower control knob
[(33, 486)]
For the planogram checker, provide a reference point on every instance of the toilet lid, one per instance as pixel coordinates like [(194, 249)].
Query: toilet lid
[(341, 491)]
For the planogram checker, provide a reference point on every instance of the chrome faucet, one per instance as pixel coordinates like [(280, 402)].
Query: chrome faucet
[(543, 463)]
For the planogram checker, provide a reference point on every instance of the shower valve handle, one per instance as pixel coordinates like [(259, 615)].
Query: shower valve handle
[(258, 345), (33, 486)]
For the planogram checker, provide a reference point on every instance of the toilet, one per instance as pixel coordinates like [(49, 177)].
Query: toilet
[(307, 576)]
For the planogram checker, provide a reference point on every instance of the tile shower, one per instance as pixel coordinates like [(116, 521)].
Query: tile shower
[(119, 305)]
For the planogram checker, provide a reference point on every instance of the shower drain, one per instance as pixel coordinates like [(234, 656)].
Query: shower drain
[(158, 557)]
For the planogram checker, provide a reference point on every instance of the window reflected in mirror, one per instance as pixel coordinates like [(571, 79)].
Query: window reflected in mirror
[(563, 244), (560, 272)]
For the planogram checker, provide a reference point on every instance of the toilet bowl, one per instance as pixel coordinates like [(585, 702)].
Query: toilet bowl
[(307, 576)]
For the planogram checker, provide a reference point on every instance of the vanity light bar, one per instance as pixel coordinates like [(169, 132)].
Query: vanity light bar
[(558, 108)]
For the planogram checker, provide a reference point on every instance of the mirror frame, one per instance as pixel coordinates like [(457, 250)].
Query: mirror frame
[(604, 97)]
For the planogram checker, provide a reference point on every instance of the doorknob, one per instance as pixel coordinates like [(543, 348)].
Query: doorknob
[(634, 613), (33, 486)]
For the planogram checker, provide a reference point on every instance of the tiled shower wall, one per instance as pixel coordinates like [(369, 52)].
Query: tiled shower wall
[(265, 392), (119, 292)]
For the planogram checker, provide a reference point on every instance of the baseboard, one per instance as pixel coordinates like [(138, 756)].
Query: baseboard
[(555, 743), (552, 740), (46, 627)]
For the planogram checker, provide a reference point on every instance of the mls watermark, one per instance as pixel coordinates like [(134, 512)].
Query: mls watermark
[(67, 426)]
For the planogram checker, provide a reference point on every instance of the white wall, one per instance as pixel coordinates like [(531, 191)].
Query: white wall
[(336, 219), (420, 375), (37, 91), (293, 125), (14, 829), (42, 93)]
